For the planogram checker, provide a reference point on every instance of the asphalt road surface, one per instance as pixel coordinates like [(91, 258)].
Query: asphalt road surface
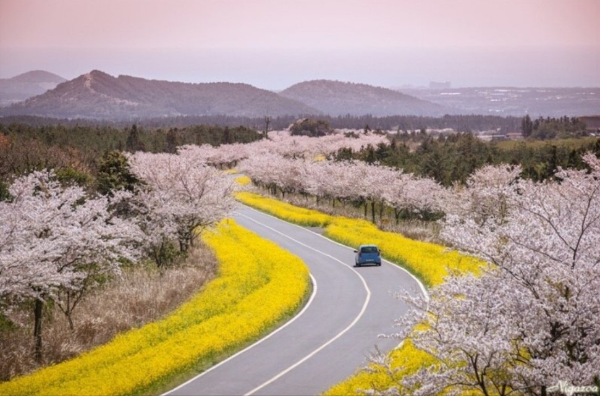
[(331, 337)]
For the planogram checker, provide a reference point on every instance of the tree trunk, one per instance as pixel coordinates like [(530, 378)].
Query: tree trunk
[(373, 211), (69, 312), (71, 325), (37, 328)]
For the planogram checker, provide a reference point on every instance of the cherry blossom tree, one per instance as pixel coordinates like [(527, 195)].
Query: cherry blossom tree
[(180, 195), (418, 196), (345, 181), (330, 180), (54, 241), (485, 195), (532, 318)]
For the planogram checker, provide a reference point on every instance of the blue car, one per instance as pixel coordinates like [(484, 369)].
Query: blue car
[(368, 254)]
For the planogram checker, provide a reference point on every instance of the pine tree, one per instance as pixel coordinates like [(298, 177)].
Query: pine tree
[(133, 142), (526, 126)]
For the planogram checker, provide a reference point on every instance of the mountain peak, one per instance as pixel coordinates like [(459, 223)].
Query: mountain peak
[(341, 98), (98, 74), (38, 76), (26, 85)]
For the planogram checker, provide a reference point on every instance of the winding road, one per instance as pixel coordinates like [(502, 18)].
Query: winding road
[(331, 337)]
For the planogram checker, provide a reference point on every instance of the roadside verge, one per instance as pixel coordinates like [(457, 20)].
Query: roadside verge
[(229, 313)]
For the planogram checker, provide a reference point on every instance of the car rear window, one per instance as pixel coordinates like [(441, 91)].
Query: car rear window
[(368, 249)]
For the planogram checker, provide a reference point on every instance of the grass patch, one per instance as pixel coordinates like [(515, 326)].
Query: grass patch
[(140, 294)]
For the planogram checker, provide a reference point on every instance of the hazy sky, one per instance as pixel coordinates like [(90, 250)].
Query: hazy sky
[(276, 43)]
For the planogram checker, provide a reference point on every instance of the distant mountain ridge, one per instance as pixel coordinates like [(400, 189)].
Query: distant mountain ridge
[(101, 96), (26, 85), (337, 98), (98, 95)]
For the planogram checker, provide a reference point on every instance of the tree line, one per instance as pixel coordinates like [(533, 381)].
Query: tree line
[(75, 151), (452, 158), (550, 128), (460, 123)]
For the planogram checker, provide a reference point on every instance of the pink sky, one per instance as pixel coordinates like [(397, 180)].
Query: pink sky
[(298, 40)]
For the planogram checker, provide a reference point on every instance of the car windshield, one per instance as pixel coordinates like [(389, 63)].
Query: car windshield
[(368, 249)]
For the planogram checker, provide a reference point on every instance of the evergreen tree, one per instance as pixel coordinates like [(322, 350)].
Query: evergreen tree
[(172, 141), (133, 142), (114, 173), (526, 126)]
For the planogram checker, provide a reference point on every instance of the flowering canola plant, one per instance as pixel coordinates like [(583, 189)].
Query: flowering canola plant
[(402, 361), (243, 180), (233, 309), (285, 211)]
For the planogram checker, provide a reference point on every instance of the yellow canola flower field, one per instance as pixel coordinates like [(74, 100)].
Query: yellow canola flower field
[(285, 211), (232, 310), (243, 180), (429, 262), (405, 360)]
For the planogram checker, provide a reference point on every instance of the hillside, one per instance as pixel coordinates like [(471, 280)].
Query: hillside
[(341, 98), (101, 96), (26, 85)]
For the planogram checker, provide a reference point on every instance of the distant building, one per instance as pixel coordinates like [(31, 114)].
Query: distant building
[(491, 135), (491, 138), (439, 85), (514, 136)]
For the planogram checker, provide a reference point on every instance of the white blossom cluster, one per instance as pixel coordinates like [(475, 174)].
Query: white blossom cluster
[(346, 181), (283, 144), (532, 319), (53, 237), (180, 195)]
